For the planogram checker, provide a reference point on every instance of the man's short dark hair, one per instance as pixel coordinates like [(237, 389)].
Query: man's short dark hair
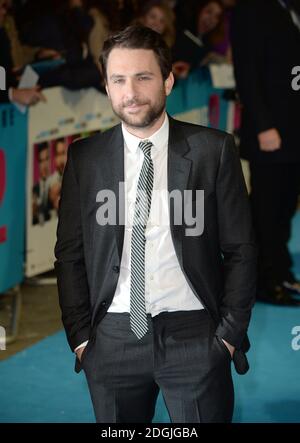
[(138, 37)]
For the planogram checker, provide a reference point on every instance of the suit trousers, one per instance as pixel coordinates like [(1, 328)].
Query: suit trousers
[(179, 355)]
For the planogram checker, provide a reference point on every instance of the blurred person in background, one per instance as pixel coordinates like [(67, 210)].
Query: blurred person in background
[(185, 13), (40, 194), (266, 47), (80, 70), (55, 180), (60, 29), (220, 37), (24, 96), (99, 12), (192, 47), (158, 15), (21, 54), (123, 12)]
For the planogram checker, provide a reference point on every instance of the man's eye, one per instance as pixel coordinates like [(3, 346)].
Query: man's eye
[(144, 78), (118, 80)]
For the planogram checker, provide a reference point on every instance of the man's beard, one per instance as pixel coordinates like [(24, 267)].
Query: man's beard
[(148, 119)]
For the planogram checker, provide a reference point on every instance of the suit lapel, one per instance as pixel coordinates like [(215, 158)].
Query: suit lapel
[(113, 175), (178, 175)]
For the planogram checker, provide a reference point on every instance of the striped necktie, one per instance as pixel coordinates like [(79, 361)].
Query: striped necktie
[(138, 317)]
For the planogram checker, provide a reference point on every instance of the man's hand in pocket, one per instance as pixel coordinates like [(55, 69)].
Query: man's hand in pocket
[(230, 347), (79, 352)]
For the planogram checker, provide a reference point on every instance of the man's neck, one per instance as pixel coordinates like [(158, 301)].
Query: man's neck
[(149, 130)]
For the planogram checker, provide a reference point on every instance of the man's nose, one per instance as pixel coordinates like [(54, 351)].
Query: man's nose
[(130, 89)]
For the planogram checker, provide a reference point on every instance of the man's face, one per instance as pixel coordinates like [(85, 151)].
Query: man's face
[(44, 163), (135, 86), (60, 157)]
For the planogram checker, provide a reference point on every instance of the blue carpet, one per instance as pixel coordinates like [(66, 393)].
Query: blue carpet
[(39, 384)]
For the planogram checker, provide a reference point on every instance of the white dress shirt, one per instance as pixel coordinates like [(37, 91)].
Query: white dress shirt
[(166, 288)]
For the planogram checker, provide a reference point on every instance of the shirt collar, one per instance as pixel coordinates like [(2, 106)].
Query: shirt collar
[(159, 138)]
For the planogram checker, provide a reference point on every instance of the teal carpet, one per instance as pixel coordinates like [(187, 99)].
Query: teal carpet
[(39, 384)]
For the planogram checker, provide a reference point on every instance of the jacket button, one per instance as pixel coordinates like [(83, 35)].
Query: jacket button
[(103, 303), (116, 269)]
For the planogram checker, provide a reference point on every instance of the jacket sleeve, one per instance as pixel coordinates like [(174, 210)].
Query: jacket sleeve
[(247, 41), (238, 246), (70, 267)]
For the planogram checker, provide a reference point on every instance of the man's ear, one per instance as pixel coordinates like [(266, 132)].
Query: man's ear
[(169, 82), (106, 89)]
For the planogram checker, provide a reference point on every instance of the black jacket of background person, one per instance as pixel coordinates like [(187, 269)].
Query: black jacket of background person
[(266, 47), (185, 49), (6, 63), (219, 265)]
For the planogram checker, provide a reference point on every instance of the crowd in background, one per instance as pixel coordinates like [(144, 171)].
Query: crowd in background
[(64, 39), (68, 35)]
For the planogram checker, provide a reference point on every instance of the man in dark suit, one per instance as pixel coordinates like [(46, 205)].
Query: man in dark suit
[(265, 43), (162, 302)]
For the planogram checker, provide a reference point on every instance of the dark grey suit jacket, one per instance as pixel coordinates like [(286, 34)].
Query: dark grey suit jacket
[(219, 264)]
